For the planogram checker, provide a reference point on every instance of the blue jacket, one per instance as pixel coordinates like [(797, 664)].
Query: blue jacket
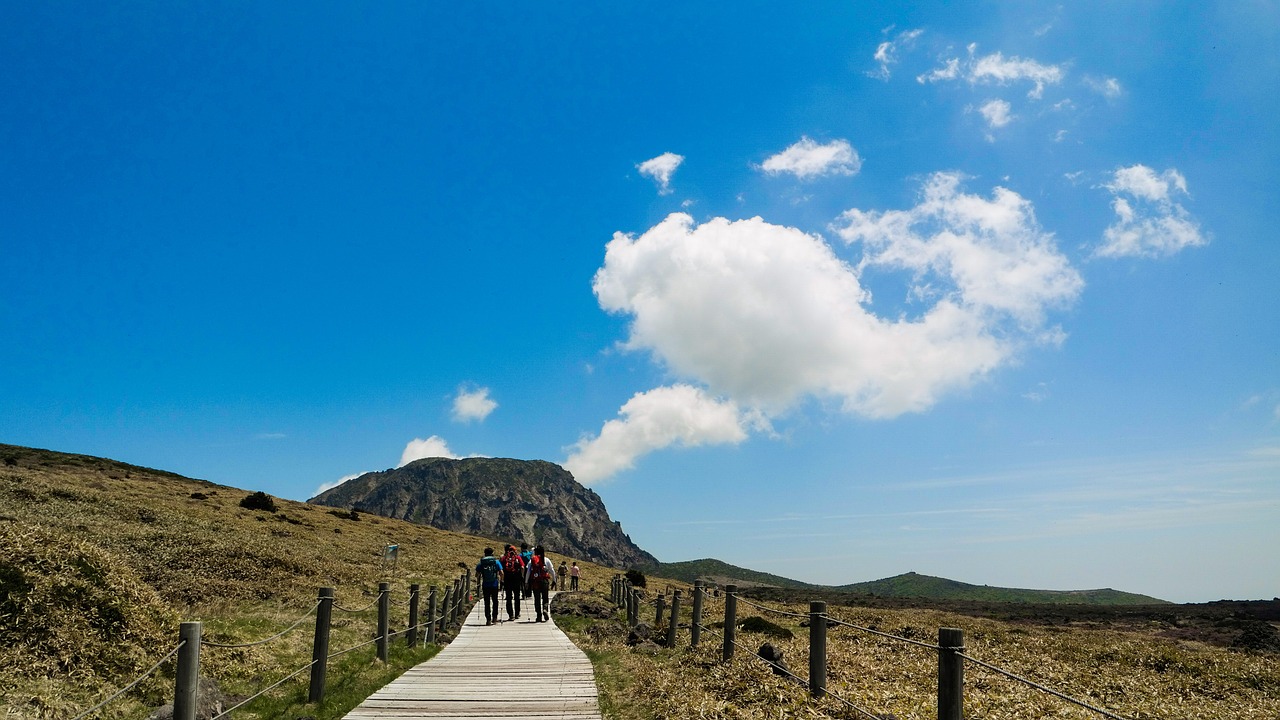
[(497, 571)]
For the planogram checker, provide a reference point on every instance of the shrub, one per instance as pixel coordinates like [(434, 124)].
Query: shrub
[(636, 578), (258, 501)]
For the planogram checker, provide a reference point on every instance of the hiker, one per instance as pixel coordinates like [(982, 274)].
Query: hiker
[(573, 574), (489, 572), (512, 581), (526, 555), (562, 575), (538, 576)]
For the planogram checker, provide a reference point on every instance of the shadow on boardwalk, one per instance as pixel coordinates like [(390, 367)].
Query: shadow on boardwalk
[(518, 669)]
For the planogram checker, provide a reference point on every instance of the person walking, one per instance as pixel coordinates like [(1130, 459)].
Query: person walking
[(527, 556), (562, 576), (573, 575), (489, 572), (538, 576), (512, 581)]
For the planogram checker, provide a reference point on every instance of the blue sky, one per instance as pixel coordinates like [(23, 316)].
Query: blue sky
[(836, 292)]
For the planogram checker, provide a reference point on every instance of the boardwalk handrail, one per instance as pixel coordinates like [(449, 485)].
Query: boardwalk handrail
[(439, 617), (950, 649)]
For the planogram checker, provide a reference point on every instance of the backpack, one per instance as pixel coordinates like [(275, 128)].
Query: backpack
[(489, 571), (538, 568), (512, 564)]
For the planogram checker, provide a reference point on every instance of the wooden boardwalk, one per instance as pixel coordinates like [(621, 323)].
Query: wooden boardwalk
[(518, 669)]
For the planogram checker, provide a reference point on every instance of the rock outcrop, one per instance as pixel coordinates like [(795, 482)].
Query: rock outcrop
[(514, 500)]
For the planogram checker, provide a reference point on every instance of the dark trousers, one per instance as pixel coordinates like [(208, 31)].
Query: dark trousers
[(574, 583), (491, 604), (514, 589), (541, 603)]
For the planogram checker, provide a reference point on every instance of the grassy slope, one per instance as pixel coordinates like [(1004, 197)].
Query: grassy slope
[(181, 549), (724, 574)]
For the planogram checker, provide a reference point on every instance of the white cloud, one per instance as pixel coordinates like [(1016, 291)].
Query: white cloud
[(679, 415), (997, 112), (336, 483), (418, 449), (807, 159), (767, 315), (660, 170), (1108, 87), (886, 54), (997, 69), (471, 405), (1149, 221)]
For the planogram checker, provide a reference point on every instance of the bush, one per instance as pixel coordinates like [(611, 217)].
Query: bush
[(258, 501), (636, 578)]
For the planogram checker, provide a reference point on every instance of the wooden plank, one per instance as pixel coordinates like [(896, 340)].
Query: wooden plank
[(518, 669)]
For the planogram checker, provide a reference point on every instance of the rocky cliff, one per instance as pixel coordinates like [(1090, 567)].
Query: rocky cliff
[(514, 500)]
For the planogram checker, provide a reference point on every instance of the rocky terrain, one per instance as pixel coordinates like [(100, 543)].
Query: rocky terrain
[(514, 500)]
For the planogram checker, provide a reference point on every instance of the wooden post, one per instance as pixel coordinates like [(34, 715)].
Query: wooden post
[(444, 609), (412, 636), (661, 605), (320, 646), (458, 589), (730, 619), (384, 618), (431, 616), (467, 583), (695, 627), (950, 674), (674, 623), (186, 686), (817, 648)]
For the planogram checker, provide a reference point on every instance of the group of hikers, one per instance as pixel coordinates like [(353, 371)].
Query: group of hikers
[(526, 573)]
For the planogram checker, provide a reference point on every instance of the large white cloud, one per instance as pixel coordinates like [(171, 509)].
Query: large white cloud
[(809, 159), (768, 315), (472, 404), (679, 415), (660, 170), (417, 449), (1149, 220)]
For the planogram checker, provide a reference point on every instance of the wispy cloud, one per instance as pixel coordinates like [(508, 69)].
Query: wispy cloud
[(997, 113), (809, 159), (886, 55), (998, 70), (336, 483), (1150, 222), (661, 169)]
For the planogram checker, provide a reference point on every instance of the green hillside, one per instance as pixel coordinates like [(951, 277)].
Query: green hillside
[(722, 573), (914, 585)]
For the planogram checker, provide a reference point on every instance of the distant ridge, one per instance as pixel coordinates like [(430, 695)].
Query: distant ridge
[(907, 585), (914, 585)]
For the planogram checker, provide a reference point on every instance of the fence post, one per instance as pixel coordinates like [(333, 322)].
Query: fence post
[(674, 623), (320, 646), (412, 635), (444, 609), (384, 618), (730, 619), (431, 616), (695, 627), (186, 685), (950, 674), (634, 612), (661, 605), (817, 648)]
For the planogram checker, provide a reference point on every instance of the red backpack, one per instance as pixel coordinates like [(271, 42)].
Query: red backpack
[(538, 568), (512, 563)]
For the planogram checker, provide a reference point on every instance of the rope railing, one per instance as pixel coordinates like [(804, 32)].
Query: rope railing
[(263, 691), (264, 641), (145, 674), (366, 608), (949, 648), (1038, 686)]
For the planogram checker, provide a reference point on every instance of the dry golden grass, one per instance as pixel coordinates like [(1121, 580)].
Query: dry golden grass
[(100, 561), (1131, 674)]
